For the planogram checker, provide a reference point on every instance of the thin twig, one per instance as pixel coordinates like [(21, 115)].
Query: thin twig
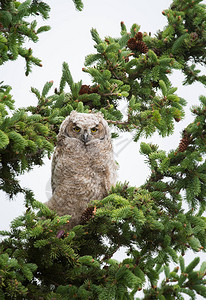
[(125, 123)]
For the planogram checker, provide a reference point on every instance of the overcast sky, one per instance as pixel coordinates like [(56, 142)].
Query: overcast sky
[(70, 40)]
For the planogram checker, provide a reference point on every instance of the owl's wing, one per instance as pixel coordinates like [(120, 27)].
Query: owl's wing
[(54, 178)]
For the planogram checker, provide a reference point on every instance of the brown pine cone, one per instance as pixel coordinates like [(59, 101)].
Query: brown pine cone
[(132, 44), (184, 143), (84, 89), (139, 36), (94, 89), (87, 214), (142, 47)]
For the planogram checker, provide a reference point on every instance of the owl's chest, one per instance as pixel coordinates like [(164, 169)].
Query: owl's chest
[(81, 176), (83, 159)]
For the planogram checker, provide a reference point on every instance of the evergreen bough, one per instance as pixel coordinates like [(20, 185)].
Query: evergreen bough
[(39, 257)]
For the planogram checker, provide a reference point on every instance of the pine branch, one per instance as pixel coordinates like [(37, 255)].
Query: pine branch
[(39, 256)]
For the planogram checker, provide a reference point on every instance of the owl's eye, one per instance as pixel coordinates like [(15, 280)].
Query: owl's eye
[(76, 129), (94, 129)]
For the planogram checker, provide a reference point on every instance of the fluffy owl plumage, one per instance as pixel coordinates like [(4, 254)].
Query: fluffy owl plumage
[(83, 165)]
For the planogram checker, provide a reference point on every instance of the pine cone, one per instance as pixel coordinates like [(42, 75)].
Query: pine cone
[(132, 44), (139, 36), (94, 89), (142, 47), (84, 89), (184, 143), (87, 214)]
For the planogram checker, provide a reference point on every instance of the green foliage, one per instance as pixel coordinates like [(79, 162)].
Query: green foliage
[(26, 138), (39, 257), (175, 285), (183, 169), (38, 231), (12, 273), (14, 29), (78, 263), (78, 4)]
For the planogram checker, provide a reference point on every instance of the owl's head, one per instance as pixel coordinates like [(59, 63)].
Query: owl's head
[(84, 127)]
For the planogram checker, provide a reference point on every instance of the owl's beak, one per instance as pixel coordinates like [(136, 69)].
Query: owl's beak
[(85, 137)]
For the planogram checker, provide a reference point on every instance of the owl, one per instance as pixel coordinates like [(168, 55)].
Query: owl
[(83, 165)]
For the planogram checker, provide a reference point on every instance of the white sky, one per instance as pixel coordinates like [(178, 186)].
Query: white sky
[(70, 40)]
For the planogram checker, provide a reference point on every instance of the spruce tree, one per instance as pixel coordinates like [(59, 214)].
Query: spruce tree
[(39, 257)]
